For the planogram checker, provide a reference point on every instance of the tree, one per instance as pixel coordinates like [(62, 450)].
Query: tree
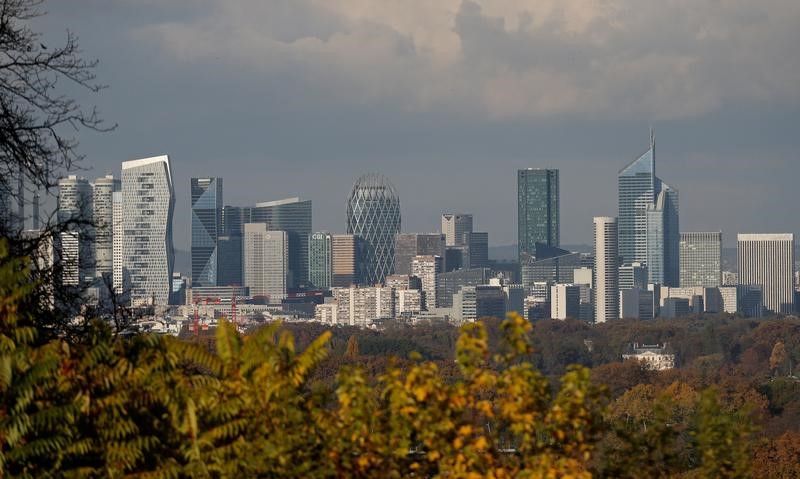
[(777, 357), (352, 347)]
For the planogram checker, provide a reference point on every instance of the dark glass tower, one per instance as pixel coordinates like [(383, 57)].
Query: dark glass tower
[(206, 228), (538, 211), (294, 217)]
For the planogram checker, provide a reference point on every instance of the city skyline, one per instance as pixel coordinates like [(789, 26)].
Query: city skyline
[(717, 137)]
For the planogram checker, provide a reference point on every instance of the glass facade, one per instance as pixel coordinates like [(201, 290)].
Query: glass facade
[(448, 284), (538, 219), (409, 245), (373, 213), (206, 229), (229, 260), (294, 217), (701, 259), (320, 259)]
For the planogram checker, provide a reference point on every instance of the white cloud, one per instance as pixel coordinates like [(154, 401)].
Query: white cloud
[(509, 59)]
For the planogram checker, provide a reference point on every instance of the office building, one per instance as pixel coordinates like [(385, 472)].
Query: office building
[(403, 281), (663, 238), (234, 219), (478, 243), (373, 213), (346, 260), (455, 227), (675, 308), (294, 217), (648, 215), (75, 201), (230, 255), (456, 257), (742, 299), (426, 268), (565, 301), (320, 260), (633, 276), (448, 284), (701, 259), (103, 214), (148, 202), (767, 260), (266, 262), (549, 264), (471, 303), (409, 245), (538, 209), (118, 244), (636, 303), (206, 197), (606, 269)]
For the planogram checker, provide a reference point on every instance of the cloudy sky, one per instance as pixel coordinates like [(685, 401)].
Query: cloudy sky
[(449, 97)]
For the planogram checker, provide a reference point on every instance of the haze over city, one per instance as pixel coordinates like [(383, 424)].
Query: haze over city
[(448, 99)]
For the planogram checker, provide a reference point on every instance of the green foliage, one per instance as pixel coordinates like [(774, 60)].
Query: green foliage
[(152, 406)]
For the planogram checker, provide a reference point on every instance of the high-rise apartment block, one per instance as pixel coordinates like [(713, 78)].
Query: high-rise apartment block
[(373, 213), (455, 226), (266, 262), (148, 202), (538, 209), (426, 268), (103, 215), (409, 245), (648, 220), (606, 269), (206, 196), (294, 217), (767, 260), (320, 259), (701, 259)]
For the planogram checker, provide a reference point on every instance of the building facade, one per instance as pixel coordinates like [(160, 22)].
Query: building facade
[(606, 277), (448, 284), (148, 203), (455, 226), (76, 243), (538, 209), (293, 216), (266, 262), (346, 260), (426, 268), (206, 197), (320, 259), (409, 245), (649, 219), (701, 259), (103, 214), (373, 214), (767, 260)]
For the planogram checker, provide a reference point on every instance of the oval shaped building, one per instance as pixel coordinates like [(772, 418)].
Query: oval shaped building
[(373, 214)]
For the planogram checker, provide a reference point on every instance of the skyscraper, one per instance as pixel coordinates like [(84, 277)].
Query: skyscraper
[(478, 243), (75, 198), (234, 218), (229, 260), (320, 259), (454, 227), (701, 259), (768, 260), (426, 268), (206, 194), (294, 217), (346, 251), (373, 213), (266, 264), (148, 202), (409, 245), (118, 245), (103, 214), (648, 219), (606, 264), (538, 210)]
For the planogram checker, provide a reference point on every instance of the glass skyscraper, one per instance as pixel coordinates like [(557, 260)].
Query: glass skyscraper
[(294, 217), (373, 213), (648, 220), (538, 210), (206, 229), (148, 201), (320, 259)]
